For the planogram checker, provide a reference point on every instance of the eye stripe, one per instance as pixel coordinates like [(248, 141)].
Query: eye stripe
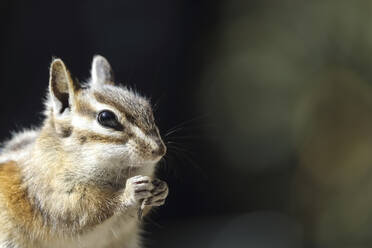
[(86, 136), (132, 117), (91, 125)]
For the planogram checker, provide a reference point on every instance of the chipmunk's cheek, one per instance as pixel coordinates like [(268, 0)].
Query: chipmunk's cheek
[(131, 150)]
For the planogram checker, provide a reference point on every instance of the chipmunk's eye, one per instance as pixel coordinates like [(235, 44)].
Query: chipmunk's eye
[(108, 119)]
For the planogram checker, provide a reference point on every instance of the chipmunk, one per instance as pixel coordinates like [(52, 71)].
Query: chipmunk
[(79, 179)]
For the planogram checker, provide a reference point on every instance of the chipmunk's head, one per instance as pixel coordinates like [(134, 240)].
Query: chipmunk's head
[(101, 123)]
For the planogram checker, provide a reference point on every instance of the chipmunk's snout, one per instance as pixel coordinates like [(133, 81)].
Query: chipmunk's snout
[(160, 150)]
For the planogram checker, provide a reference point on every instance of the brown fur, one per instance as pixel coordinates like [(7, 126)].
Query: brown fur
[(84, 108), (85, 136), (12, 191), (30, 217), (15, 197)]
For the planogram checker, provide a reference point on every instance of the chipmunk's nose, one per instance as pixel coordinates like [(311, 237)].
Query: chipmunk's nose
[(161, 148)]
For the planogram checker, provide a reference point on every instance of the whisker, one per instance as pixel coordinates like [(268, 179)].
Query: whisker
[(171, 170), (182, 124), (173, 131), (175, 138), (187, 154), (156, 104), (186, 129)]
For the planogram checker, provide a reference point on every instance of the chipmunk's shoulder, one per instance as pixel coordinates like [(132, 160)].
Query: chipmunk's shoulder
[(15, 207)]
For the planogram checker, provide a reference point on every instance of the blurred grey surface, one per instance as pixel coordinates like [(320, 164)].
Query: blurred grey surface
[(258, 229)]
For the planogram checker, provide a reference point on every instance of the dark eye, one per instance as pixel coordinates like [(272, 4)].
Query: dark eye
[(108, 119)]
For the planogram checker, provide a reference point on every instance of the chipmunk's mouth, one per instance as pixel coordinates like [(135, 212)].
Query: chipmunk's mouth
[(145, 162)]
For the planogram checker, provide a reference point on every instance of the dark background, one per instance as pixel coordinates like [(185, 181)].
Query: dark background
[(270, 103)]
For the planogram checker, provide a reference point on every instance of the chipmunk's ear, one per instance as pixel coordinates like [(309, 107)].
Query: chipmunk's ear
[(61, 87), (101, 72)]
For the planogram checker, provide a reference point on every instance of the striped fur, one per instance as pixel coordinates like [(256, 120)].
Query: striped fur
[(64, 184)]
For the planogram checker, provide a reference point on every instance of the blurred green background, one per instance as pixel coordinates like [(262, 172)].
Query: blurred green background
[(289, 83)]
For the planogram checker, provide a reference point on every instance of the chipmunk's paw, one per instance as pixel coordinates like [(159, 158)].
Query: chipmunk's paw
[(137, 189), (159, 193)]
